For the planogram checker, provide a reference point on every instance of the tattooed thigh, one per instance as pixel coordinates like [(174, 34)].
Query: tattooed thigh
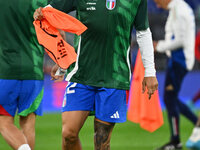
[(102, 135)]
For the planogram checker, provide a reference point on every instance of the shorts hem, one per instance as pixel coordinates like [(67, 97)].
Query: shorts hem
[(71, 109), (34, 106), (4, 112), (112, 121), (24, 115)]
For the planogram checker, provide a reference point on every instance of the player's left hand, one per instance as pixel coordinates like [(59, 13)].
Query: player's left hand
[(152, 85)]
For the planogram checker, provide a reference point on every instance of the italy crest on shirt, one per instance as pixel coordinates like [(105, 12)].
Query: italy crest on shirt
[(110, 4)]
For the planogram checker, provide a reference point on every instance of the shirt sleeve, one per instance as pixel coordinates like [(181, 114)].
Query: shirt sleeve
[(64, 5), (144, 40), (141, 19)]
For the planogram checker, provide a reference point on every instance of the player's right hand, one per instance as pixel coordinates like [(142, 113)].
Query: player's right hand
[(56, 78), (38, 15), (151, 83)]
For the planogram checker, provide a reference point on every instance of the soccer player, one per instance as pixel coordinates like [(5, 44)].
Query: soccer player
[(179, 45), (21, 72), (101, 75)]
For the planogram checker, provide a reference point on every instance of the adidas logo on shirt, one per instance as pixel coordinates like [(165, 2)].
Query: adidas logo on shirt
[(115, 115)]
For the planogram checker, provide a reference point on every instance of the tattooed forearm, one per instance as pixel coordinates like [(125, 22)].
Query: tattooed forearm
[(102, 135)]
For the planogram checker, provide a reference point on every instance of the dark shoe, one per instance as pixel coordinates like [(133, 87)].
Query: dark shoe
[(171, 146)]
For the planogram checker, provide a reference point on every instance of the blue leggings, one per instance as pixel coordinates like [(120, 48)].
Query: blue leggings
[(174, 77)]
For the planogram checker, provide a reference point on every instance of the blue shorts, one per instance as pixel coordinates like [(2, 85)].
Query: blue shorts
[(109, 104), (22, 95)]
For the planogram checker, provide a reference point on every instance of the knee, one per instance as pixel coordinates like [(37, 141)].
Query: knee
[(69, 135)]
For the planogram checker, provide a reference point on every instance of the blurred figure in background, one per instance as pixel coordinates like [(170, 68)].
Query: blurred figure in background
[(21, 72), (179, 46)]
